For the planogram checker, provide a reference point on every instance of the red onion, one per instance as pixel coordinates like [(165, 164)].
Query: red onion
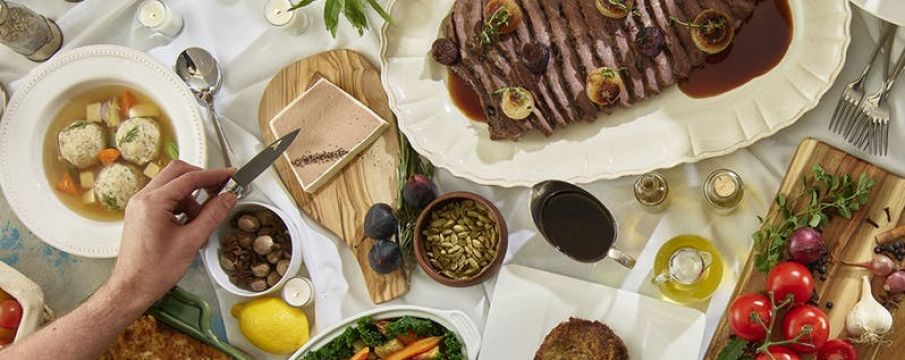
[(105, 111), (895, 282), (806, 245), (880, 265)]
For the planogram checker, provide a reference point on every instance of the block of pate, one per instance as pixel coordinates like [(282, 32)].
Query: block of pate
[(335, 128)]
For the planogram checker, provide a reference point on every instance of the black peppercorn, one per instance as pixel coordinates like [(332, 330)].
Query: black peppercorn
[(877, 250), (829, 304)]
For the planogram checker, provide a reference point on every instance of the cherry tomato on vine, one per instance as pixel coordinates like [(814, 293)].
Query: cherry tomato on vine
[(790, 278), (837, 349), (10, 314), (7, 336), (743, 314), (778, 353), (806, 317)]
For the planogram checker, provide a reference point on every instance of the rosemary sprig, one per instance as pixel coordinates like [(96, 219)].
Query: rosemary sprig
[(410, 163), (354, 10), (826, 194), (497, 21), (707, 27)]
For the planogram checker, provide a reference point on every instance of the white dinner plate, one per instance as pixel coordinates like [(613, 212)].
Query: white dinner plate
[(528, 303), (661, 132), (34, 105), (890, 10)]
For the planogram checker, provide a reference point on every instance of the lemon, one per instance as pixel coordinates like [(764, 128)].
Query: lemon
[(272, 325)]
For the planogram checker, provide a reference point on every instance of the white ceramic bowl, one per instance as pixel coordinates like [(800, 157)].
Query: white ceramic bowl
[(40, 97), (28, 294), (210, 254), (454, 320)]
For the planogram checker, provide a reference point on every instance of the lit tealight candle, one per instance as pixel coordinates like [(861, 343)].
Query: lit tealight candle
[(278, 14), (156, 16), (298, 292)]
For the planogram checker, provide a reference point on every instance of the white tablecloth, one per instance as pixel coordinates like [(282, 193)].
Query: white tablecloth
[(251, 52)]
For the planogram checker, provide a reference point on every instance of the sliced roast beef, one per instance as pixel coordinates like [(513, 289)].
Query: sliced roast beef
[(579, 40)]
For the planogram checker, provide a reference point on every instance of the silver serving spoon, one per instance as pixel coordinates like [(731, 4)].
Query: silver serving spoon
[(201, 72)]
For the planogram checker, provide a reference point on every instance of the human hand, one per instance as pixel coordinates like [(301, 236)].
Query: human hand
[(156, 250)]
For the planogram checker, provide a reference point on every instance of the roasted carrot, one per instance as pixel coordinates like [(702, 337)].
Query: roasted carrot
[(108, 156), (67, 185), (415, 348), (362, 354), (126, 101)]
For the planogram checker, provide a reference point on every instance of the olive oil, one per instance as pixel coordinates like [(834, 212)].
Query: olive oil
[(688, 269)]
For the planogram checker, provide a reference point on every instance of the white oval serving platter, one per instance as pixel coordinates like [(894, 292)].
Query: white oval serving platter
[(664, 131)]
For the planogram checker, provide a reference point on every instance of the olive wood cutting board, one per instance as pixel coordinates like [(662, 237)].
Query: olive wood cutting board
[(849, 239), (340, 204)]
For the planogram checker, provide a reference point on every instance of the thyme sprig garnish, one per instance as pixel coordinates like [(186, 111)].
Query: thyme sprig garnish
[(497, 21), (621, 4), (825, 195), (410, 163), (708, 26)]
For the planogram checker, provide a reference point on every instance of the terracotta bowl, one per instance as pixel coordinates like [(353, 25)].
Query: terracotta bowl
[(424, 221)]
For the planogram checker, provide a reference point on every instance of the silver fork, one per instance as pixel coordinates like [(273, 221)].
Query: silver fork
[(847, 108), (874, 134)]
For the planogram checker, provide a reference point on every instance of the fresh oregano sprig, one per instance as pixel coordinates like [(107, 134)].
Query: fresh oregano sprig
[(410, 163), (354, 10), (825, 195)]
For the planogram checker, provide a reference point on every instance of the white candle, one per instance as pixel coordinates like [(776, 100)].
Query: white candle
[(278, 14), (298, 292), (155, 15)]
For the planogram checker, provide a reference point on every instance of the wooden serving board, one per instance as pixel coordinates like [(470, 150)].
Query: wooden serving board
[(849, 239), (340, 205)]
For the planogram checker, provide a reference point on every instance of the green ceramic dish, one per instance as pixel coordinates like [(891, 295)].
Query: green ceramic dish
[(189, 314)]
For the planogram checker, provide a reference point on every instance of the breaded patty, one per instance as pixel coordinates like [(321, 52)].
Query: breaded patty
[(579, 339)]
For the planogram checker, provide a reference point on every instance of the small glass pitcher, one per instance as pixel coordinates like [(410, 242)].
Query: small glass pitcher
[(686, 267)]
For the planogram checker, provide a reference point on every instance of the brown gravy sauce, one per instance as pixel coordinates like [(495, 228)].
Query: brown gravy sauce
[(759, 45), (578, 227), (464, 97)]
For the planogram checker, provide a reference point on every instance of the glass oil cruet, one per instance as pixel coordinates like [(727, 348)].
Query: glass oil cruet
[(688, 269)]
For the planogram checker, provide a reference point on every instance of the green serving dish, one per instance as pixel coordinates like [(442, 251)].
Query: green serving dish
[(189, 314)]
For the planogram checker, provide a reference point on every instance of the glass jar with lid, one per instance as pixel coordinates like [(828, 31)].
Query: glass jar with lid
[(28, 33)]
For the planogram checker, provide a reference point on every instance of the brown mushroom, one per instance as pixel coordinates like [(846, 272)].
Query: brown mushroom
[(263, 245), (227, 264), (245, 240), (261, 270), (266, 217), (258, 285), (273, 278), (274, 257), (282, 267), (248, 223)]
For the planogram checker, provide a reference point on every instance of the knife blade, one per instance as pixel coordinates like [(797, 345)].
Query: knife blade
[(260, 163)]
